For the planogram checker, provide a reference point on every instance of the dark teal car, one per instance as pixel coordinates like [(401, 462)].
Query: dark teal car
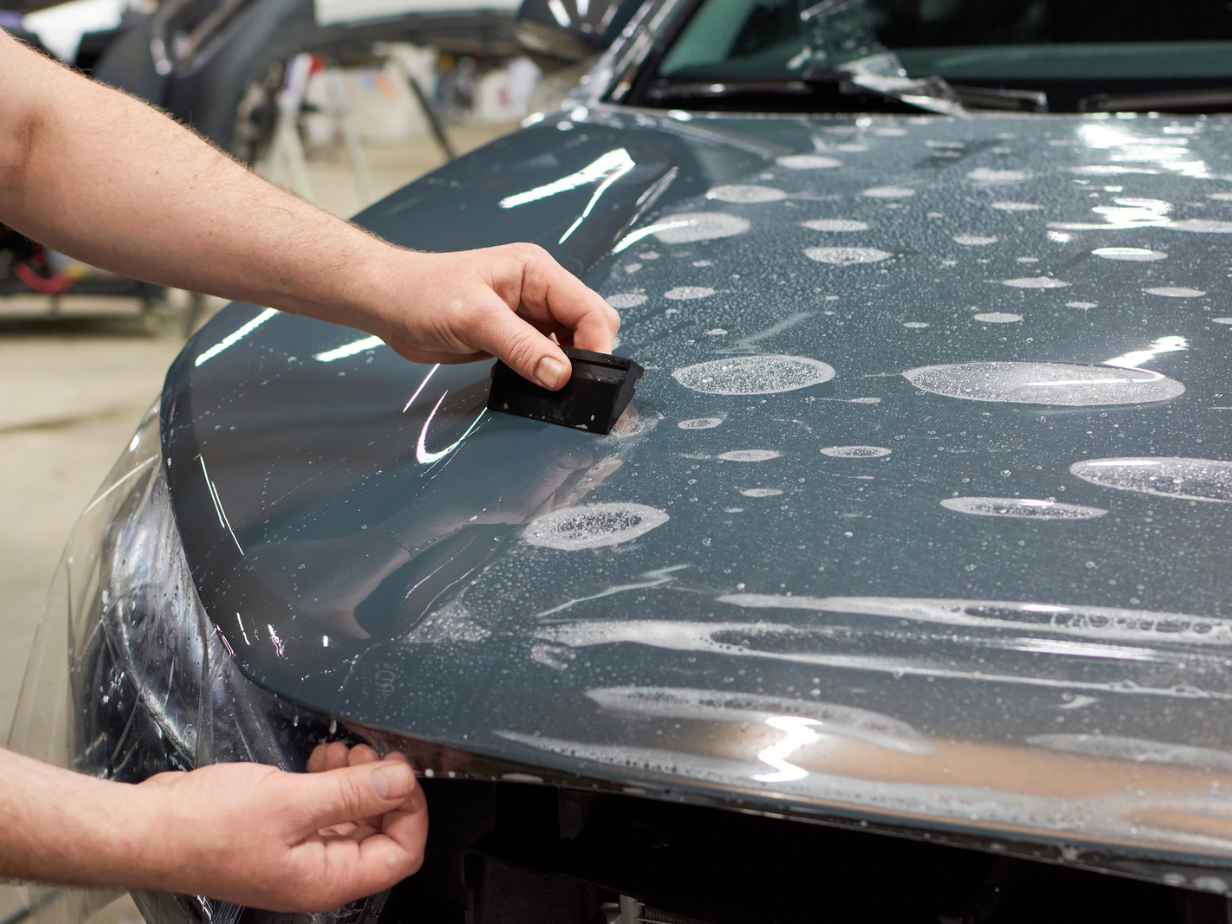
[(901, 593)]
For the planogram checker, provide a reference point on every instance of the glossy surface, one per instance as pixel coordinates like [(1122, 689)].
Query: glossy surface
[(877, 542)]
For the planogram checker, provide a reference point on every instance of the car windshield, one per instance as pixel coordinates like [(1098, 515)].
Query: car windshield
[(1068, 49)]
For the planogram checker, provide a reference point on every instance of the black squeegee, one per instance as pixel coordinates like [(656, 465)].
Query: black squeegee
[(595, 396)]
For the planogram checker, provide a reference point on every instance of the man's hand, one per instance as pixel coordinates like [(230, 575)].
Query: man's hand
[(100, 176), (502, 301), (251, 834)]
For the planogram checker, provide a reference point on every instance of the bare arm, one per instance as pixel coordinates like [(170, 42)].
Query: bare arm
[(244, 833), (105, 178)]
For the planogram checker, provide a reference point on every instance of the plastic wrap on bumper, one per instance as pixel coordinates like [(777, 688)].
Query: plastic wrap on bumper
[(128, 678)]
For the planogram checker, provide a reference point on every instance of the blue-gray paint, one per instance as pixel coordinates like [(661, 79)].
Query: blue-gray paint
[(825, 588)]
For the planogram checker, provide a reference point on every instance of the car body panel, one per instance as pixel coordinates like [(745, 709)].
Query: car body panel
[(892, 557)]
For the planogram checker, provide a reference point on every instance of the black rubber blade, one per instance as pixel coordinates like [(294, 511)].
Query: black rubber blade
[(595, 396)]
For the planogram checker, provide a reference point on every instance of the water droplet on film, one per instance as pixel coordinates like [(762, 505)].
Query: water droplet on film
[(754, 375), (1063, 384), (1185, 479), (593, 525), (1021, 508)]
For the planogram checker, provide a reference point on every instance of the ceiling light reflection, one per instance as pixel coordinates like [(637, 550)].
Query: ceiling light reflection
[(237, 336), (1136, 358), (421, 448), (349, 349), (633, 237), (1056, 646), (798, 731), (617, 161), (1123, 146), (420, 388)]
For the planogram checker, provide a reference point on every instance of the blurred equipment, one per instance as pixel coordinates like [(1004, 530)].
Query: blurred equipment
[(561, 32), (29, 268), (201, 59), (273, 82)]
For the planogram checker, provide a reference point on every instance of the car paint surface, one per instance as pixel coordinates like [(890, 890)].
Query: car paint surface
[(902, 526)]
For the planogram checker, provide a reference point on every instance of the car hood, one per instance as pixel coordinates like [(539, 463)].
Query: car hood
[(920, 517)]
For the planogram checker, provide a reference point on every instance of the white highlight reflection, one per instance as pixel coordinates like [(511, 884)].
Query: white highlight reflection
[(1059, 646), (612, 177), (605, 171), (1136, 358), (559, 13), (102, 497), (1125, 213), (349, 349), (798, 732), (613, 162), (421, 449), (1134, 153), (235, 337), (1126, 147), (632, 238), (420, 388), (218, 508)]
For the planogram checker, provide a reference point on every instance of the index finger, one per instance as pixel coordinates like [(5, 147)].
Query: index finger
[(553, 292), (357, 868)]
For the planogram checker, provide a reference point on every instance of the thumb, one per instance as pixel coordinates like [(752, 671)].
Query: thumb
[(350, 794), (524, 349)]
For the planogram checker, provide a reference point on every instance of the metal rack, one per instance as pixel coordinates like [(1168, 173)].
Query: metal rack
[(154, 301)]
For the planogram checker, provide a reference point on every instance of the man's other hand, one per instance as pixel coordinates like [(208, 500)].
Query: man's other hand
[(255, 835)]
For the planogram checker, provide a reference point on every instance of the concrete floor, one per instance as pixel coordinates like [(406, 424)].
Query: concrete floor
[(71, 393)]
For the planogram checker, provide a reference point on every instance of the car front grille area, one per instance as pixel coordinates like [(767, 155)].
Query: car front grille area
[(631, 910), (519, 853)]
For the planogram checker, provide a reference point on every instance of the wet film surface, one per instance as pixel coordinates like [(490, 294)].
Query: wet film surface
[(920, 511)]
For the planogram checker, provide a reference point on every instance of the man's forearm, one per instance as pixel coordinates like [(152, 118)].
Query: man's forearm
[(103, 177), (60, 826)]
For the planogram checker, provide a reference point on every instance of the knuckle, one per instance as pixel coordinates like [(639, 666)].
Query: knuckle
[(530, 253), (521, 348), (351, 794)]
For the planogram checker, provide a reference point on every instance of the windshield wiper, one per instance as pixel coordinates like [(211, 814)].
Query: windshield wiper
[(814, 91), (882, 73), (997, 98), (1211, 99), (843, 91)]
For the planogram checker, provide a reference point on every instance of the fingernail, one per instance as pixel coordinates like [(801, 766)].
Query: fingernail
[(393, 780), (549, 371)]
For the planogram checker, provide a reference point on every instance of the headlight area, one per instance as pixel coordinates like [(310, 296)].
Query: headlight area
[(128, 677)]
